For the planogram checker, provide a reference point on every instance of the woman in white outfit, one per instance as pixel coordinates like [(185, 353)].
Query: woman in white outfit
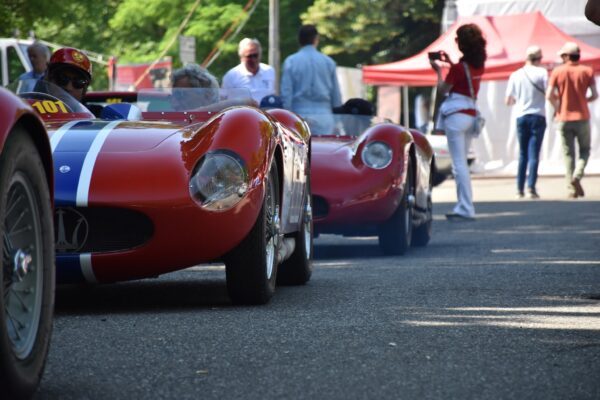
[(457, 114)]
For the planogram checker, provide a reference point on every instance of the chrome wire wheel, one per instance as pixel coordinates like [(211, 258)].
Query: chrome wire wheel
[(308, 228), (22, 273), (272, 228)]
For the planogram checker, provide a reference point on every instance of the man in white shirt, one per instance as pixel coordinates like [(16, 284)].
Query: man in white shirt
[(526, 90), (251, 73)]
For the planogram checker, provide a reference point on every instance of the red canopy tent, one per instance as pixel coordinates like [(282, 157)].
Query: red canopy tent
[(507, 39)]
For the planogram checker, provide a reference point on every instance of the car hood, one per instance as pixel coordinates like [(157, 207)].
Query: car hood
[(112, 136), (328, 145)]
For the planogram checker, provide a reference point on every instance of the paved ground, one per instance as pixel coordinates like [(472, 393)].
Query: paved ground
[(504, 189), (507, 307)]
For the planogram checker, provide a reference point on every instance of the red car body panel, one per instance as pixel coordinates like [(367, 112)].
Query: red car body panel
[(15, 111)]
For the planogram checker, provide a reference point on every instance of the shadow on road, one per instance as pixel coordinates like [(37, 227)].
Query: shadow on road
[(141, 296)]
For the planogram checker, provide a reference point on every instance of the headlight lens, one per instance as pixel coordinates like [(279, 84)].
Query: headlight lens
[(219, 181), (377, 155)]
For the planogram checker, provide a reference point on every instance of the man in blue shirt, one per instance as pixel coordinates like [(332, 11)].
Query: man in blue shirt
[(39, 55), (309, 83)]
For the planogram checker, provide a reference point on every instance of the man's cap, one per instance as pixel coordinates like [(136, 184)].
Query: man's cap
[(533, 52), (271, 101), (569, 48), (355, 106)]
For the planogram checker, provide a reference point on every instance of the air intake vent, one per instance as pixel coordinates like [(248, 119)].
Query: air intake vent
[(93, 230)]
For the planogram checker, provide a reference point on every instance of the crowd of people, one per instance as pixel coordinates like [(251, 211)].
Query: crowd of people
[(569, 89), (309, 85)]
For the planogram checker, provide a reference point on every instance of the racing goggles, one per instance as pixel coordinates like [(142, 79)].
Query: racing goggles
[(62, 79)]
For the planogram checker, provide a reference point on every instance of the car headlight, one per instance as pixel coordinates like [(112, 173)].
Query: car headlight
[(219, 180), (377, 155)]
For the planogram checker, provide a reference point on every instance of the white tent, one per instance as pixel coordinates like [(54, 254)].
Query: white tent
[(497, 147)]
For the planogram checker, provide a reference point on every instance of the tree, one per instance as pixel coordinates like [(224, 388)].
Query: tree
[(374, 31), (75, 23), (142, 30)]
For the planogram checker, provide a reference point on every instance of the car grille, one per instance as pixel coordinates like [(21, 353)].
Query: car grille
[(320, 207), (91, 230)]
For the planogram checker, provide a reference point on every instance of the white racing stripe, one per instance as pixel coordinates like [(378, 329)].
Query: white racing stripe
[(60, 132), (83, 188), (85, 261)]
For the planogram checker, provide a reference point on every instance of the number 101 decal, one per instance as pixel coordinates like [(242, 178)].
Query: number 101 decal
[(49, 106)]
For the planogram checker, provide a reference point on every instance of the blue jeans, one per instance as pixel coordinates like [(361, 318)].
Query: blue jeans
[(530, 130)]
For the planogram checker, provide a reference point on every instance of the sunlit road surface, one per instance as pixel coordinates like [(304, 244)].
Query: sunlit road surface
[(507, 307)]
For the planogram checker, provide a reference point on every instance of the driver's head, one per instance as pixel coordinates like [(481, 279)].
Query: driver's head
[(70, 69)]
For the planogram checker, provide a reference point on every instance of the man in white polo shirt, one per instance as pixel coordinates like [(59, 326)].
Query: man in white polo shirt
[(527, 91), (251, 73)]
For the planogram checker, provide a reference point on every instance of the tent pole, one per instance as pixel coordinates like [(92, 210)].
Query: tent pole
[(405, 111)]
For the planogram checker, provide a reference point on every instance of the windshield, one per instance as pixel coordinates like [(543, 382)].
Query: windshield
[(352, 125), (46, 97), (192, 99)]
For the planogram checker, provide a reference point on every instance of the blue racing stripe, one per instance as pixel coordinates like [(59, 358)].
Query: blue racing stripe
[(69, 155), (68, 269)]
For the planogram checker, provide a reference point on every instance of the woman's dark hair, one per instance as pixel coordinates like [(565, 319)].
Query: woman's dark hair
[(472, 44), (307, 34)]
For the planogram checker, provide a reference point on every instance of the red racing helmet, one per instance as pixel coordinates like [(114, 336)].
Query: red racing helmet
[(71, 57)]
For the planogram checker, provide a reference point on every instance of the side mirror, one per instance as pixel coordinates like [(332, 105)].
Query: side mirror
[(126, 111)]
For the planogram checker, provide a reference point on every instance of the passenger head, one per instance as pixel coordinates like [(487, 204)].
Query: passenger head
[(472, 44), (39, 55), (308, 35), (250, 53), (193, 76), (70, 69)]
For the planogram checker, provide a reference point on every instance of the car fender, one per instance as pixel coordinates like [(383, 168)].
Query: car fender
[(15, 111)]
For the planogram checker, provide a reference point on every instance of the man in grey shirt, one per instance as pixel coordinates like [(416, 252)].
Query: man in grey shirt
[(526, 90), (309, 83)]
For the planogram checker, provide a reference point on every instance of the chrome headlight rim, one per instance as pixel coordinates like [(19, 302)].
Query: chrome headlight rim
[(231, 193), (368, 150)]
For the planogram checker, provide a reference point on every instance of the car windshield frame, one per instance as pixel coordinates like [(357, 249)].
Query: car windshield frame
[(339, 125), (29, 89), (192, 99)]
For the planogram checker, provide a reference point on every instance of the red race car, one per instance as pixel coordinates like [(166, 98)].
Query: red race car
[(370, 177), (27, 248), (177, 179)]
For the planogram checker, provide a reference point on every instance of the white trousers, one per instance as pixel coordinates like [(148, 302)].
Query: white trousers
[(459, 142)]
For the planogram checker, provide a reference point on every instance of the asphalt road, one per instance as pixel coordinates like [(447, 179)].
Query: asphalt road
[(505, 307)]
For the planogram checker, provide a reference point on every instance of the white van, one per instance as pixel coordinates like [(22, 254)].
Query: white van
[(13, 59)]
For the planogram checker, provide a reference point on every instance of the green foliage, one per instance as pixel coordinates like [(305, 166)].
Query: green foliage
[(352, 31), (144, 29), (374, 31)]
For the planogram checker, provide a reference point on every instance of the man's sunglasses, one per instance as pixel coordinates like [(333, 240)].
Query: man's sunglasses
[(62, 80), (253, 55)]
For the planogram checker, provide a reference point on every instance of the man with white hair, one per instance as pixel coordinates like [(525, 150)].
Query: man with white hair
[(251, 73), (39, 55), (568, 90), (527, 91)]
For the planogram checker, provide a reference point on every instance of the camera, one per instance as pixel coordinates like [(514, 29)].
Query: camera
[(435, 55)]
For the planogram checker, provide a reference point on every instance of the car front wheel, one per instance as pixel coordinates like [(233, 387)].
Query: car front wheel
[(395, 234), (251, 268), (27, 279)]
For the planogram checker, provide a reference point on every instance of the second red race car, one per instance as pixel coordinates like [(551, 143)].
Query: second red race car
[(370, 177)]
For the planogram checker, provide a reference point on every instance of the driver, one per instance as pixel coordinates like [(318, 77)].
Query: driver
[(71, 70)]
